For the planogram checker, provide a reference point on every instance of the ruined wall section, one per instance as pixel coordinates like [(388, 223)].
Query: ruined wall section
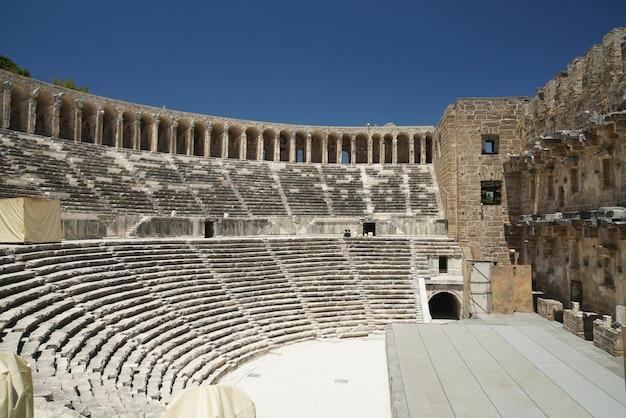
[(461, 158), (592, 83)]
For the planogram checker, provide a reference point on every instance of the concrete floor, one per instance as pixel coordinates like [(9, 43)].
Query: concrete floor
[(501, 366), (329, 378), (492, 366)]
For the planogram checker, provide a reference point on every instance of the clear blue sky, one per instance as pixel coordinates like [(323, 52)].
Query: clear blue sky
[(325, 62)]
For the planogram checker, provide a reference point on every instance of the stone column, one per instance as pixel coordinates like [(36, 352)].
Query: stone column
[(352, 149), (370, 150), (277, 147), (394, 150), (225, 143), (259, 147), (292, 148), (338, 149), (207, 141), (325, 149), (173, 136), (78, 120), (308, 148), (7, 88), (411, 150), (32, 111), (243, 146), (137, 131), (423, 150), (382, 150), (56, 112), (154, 140), (119, 130), (191, 137), (99, 126)]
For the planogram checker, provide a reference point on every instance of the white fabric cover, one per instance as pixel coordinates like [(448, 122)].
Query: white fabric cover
[(29, 220), (212, 401), (16, 387)]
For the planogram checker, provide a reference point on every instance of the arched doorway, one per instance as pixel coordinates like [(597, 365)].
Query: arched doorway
[(444, 305)]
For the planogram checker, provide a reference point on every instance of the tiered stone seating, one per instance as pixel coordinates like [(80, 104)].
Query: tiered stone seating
[(422, 191), (92, 178), (111, 180), (253, 278), (321, 274), (257, 187), (32, 168), (384, 271), (212, 185), (165, 183), (345, 187), (118, 327), (386, 188), (303, 188)]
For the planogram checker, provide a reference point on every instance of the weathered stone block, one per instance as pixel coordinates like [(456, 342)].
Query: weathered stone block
[(579, 323), (550, 309), (608, 339)]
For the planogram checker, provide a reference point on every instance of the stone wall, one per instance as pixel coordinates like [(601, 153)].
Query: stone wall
[(461, 165), (594, 82)]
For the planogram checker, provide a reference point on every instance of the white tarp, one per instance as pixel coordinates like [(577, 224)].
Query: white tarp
[(212, 401), (25, 219), (16, 387)]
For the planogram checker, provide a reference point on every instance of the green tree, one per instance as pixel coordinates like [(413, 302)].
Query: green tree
[(9, 65), (70, 84)]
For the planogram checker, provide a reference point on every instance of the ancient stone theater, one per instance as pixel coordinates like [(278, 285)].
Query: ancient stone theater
[(148, 250)]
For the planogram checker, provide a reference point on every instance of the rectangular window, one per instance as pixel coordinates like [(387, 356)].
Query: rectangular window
[(490, 143), (491, 192), (443, 264)]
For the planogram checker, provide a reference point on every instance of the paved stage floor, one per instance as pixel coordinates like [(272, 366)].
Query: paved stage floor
[(517, 365), (501, 366)]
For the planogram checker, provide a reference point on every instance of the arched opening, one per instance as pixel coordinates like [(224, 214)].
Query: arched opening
[(43, 114), (88, 128), (376, 144), (128, 130), (332, 148), (285, 141), (109, 127), (199, 131), (269, 145), (317, 146), (300, 150), (183, 137), (147, 125), (217, 131), (66, 118), (163, 137), (388, 155), (234, 142), (346, 149), (361, 148), (252, 144), (403, 148), (19, 109), (429, 150), (444, 305)]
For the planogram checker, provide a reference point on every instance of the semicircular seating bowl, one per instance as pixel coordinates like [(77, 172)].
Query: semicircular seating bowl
[(119, 326)]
